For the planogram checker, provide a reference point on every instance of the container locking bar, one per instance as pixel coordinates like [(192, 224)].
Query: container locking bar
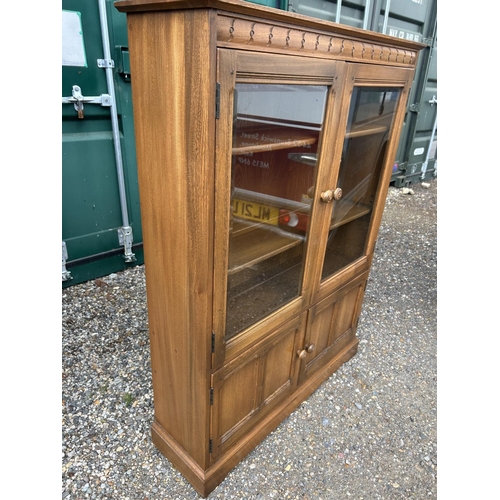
[(427, 156), (78, 99)]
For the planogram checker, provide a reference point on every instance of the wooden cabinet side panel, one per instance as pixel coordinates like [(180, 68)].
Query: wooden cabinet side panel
[(174, 101)]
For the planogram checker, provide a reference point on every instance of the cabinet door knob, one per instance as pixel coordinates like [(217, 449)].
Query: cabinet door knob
[(311, 348), (327, 196), (302, 354)]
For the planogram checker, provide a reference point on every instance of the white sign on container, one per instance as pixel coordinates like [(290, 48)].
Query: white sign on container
[(73, 46)]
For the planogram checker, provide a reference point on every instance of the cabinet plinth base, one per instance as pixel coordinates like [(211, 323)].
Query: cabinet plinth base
[(204, 482)]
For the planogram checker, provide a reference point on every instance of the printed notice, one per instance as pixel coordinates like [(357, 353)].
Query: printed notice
[(73, 48)]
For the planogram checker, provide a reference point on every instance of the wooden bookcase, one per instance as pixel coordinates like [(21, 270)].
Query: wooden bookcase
[(265, 145)]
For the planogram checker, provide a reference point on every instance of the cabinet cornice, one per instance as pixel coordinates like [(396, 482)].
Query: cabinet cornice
[(248, 33)]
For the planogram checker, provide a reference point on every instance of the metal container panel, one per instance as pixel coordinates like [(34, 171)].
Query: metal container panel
[(268, 3), (404, 19), (352, 13), (421, 151), (416, 159), (91, 203)]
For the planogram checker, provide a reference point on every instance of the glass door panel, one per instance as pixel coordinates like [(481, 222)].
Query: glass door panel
[(370, 119), (276, 131)]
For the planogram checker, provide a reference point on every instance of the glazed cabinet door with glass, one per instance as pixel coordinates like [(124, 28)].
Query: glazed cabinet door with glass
[(271, 154)]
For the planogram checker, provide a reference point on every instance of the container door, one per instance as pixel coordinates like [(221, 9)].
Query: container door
[(93, 204), (273, 112), (421, 149)]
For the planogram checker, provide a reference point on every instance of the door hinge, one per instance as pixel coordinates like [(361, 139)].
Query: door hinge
[(217, 100), (125, 239), (210, 445), (414, 108), (66, 275), (213, 341), (211, 395)]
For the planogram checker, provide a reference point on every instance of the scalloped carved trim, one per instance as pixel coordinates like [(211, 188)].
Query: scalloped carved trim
[(245, 32)]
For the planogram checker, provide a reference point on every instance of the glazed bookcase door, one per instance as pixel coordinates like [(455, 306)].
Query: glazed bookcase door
[(273, 113), (373, 110)]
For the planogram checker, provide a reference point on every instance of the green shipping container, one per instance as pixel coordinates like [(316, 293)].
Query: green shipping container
[(101, 224)]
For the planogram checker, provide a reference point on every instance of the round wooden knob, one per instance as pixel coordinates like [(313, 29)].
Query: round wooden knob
[(311, 348), (302, 354), (327, 196), (337, 194)]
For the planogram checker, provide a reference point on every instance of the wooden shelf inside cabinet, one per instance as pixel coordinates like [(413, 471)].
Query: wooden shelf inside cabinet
[(374, 126), (271, 138), (347, 211), (366, 130), (251, 244)]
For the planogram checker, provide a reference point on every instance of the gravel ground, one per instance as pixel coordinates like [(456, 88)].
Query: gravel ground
[(369, 432)]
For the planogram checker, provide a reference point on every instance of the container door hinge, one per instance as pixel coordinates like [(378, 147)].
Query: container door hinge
[(66, 275), (217, 100), (125, 239), (211, 395), (210, 445), (414, 108), (213, 342)]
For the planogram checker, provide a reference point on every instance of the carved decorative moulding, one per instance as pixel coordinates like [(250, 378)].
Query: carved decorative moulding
[(253, 34)]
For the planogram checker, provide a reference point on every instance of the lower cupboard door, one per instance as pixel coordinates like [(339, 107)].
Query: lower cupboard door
[(247, 388), (331, 325)]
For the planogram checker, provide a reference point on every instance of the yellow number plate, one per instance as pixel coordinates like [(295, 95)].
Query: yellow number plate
[(255, 211)]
